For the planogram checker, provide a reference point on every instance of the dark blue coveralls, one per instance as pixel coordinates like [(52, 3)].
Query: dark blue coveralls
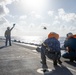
[(8, 35), (53, 44), (71, 44)]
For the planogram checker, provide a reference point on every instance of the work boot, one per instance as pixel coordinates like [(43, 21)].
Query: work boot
[(55, 63), (71, 60), (45, 67), (59, 61)]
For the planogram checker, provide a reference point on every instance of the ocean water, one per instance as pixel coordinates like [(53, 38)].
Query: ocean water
[(35, 39)]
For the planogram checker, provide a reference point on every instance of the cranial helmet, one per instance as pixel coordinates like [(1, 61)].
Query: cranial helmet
[(53, 34), (8, 28), (69, 34)]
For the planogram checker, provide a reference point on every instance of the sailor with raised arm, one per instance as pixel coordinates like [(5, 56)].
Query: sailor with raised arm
[(8, 35)]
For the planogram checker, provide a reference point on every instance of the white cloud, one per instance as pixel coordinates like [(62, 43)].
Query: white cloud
[(3, 20), (34, 15), (61, 23), (38, 16), (3, 25), (23, 17), (56, 22), (45, 24), (3, 10), (68, 17), (22, 23), (6, 1), (11, 16), (50, 13), (61, 12), (56, 17), (72, 28)]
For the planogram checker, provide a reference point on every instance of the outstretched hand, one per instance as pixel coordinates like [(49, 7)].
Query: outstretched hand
[(13, 25)]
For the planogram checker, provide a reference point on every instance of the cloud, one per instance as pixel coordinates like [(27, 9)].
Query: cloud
[(62, 21), (56, 22), (23, 17), (3, 10), (32, 25), (72, 28), (68, 17), (38, 16), (3, 25), (34, 15), (61, 12), (3, 20), (50, 13), (6, 1), (44, 25), (11, 16)]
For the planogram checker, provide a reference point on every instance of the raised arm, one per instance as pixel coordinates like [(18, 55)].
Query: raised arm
[(12, 27)]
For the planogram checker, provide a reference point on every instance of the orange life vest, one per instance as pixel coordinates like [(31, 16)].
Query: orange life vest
[(74, 36)]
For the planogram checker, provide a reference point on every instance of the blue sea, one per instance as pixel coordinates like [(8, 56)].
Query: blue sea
[(33, 39)]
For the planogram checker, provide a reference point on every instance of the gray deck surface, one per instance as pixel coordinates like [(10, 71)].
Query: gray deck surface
[(19, 60)]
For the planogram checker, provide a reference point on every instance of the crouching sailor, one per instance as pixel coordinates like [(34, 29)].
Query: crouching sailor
[(51, 49), (70, 45)]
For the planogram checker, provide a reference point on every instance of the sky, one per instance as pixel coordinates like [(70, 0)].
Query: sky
[(31, 16)]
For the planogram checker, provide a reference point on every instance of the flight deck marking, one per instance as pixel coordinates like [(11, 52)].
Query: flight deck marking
[(40, 70)]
